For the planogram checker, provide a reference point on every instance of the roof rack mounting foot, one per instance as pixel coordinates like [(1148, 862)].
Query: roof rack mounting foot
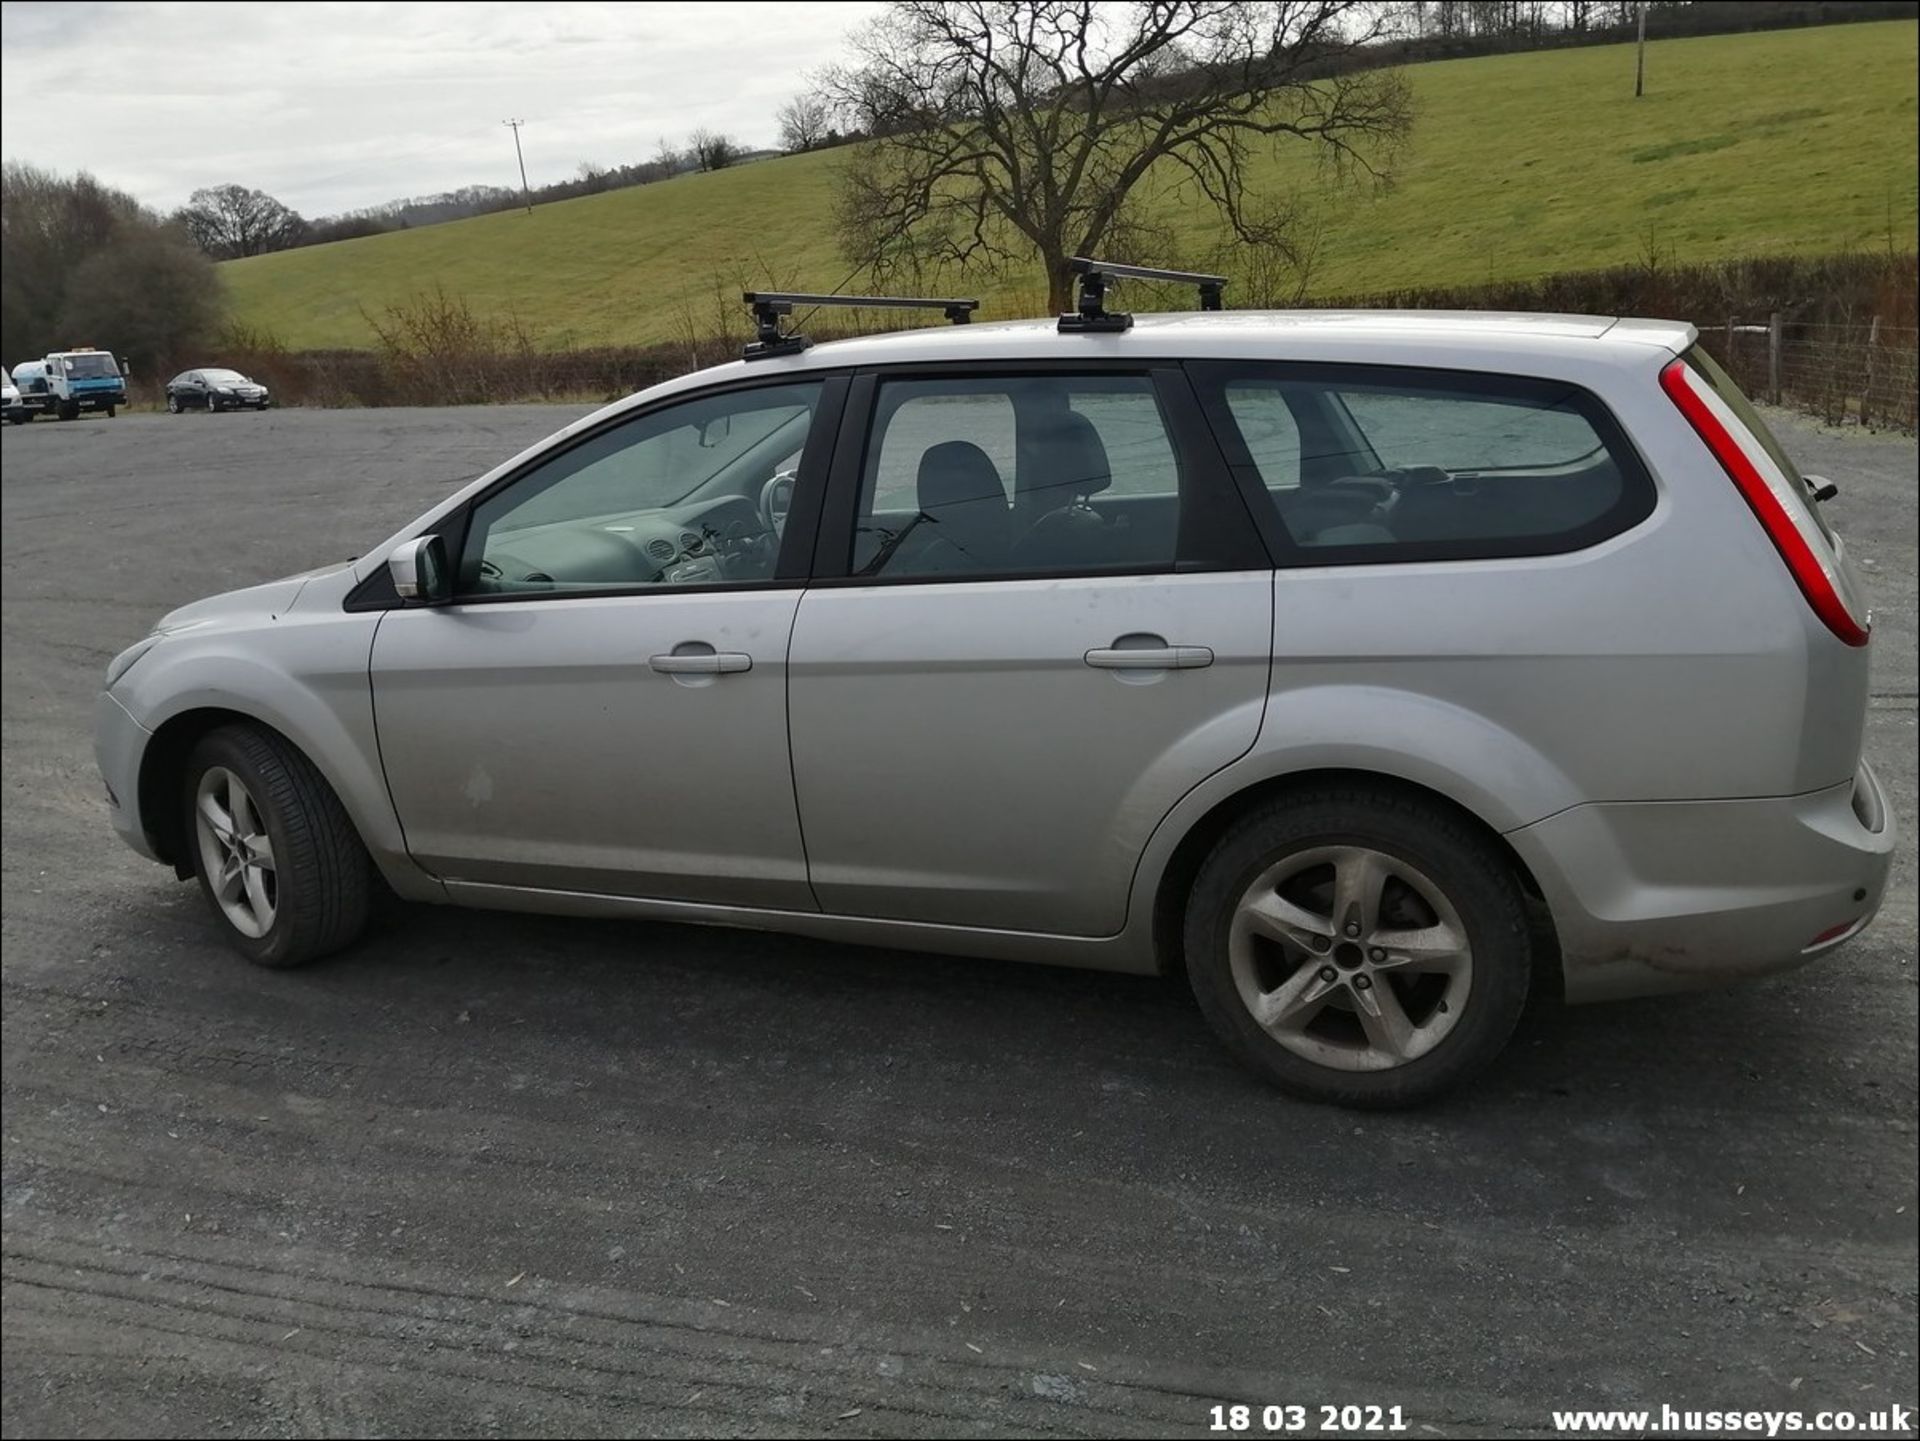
[(1091, 313), (768, 341), (770, 305)]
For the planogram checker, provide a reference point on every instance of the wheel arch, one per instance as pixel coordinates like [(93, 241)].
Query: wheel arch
[(1174, 885), (163, 766), (332, 743)]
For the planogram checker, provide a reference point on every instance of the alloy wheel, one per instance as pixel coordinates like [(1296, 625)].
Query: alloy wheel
[(1350, 958), (236, 852)]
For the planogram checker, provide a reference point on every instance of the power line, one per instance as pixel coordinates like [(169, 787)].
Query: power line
[(525, 193)]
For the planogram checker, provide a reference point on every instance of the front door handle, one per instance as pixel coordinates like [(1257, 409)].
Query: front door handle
[(1163, 657), (724, 662)]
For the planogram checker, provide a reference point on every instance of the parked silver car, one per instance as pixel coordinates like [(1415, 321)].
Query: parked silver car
[(1372, 668)]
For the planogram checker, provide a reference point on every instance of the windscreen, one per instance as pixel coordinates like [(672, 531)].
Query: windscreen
[(91, 365)]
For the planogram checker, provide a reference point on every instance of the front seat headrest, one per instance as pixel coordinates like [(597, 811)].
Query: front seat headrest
[(958, 472), (1068, 459)]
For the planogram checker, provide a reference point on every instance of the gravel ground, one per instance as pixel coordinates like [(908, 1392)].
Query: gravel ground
[(496, 1174)]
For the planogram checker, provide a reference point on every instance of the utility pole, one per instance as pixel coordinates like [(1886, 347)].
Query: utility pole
[(527, 195), (1639, 58)]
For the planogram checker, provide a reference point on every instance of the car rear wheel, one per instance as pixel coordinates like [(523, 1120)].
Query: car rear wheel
[(277, 857), (1359, 947)]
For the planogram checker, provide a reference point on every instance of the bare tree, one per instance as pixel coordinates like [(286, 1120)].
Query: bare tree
[(667, 161), (1020, 128), (805, 122), (228, 221), (711, 150)]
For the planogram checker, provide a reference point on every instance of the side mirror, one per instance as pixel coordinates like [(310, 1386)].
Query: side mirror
[(419, 571)]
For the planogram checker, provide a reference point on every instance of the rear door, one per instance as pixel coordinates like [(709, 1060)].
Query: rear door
[(1040, 615)]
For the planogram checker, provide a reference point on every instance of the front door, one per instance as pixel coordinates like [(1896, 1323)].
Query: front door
[(603, 706), (1051, 621)]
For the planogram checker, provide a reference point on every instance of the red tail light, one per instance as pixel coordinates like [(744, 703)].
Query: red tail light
[(1813, 575)]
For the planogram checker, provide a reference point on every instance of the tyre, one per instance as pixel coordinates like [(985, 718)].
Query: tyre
[(1358, 946), (110, 410), (69, 412), (173, 403), (277, 858)]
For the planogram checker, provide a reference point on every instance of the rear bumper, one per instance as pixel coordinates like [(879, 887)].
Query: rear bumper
[(119, 744), (1679, 895)]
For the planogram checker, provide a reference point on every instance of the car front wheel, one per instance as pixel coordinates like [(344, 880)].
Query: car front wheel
[(1359, 946), (173, 403), (277, 856)]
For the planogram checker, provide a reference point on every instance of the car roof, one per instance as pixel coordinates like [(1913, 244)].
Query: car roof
[(1459, 339)]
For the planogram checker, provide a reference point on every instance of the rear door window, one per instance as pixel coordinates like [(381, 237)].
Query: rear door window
[(1365, 463), (970, 478)]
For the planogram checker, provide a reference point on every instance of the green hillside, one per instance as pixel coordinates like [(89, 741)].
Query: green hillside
[(1800, 140)]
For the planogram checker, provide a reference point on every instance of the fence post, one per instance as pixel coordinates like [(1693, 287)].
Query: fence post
[(1773, 356), (1866, 389)]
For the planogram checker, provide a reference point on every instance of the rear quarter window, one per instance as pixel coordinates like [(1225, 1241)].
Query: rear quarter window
[(1366, 463)]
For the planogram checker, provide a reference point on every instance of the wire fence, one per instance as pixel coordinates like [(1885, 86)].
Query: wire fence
[(1864, 372)]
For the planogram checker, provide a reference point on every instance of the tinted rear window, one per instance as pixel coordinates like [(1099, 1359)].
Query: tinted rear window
[(1371, 463)]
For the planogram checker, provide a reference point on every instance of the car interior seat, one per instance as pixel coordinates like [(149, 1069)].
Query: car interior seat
[(1070, 466), (967, 523)]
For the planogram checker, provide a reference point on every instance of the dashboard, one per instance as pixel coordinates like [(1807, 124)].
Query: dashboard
[(699, 543)]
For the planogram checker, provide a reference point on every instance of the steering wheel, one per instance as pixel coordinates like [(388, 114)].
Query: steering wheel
[(776, 499)]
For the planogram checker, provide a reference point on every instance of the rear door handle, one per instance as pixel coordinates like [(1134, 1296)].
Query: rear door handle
[(1165, 657), (724, 662)]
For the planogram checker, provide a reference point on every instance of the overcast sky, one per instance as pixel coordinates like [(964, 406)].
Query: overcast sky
[(333, 107)]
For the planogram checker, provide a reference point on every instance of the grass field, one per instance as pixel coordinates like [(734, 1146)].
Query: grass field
[(1800, 140)]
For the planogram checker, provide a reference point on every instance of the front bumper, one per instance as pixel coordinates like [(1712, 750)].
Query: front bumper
[(1679, 895), (119, 745)]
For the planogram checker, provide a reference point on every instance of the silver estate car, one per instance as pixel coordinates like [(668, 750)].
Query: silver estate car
[(1371, 668)]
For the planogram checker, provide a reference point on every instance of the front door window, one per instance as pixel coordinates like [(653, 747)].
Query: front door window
[(692, 494)]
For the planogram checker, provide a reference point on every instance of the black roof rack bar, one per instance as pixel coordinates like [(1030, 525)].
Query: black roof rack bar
[(770, 305), (1092, 314)]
